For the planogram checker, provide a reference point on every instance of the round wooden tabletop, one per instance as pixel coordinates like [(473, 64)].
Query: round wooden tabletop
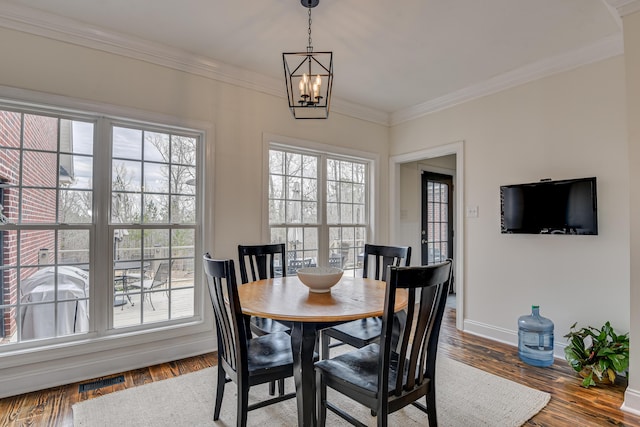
[(287, 298)]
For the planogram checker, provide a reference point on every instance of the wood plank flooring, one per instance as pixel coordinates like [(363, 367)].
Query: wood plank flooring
[(570, 405)]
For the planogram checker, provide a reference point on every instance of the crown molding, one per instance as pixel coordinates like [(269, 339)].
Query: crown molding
[(625, 7), (603, 49), (59, 28)]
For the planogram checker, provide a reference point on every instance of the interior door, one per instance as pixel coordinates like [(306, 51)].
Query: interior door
[(437, 218)]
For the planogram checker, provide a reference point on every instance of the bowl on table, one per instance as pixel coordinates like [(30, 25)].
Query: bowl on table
[(319, 279)]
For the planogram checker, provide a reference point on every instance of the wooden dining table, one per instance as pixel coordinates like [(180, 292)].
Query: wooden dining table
[(287, 298)]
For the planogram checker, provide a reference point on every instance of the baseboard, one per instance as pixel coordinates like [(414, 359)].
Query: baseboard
[(28, 378), (631, 402), (505, 336)]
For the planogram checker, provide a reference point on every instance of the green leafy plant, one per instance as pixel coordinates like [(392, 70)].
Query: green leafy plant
[(597, 352)]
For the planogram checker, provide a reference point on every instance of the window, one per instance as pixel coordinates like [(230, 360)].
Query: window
[(318, 206), (56, 206), (153, 217)]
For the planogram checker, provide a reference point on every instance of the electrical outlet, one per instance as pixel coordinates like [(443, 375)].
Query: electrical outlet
[(472, 212)]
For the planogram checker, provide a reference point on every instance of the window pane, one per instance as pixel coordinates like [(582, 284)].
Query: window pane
[(276, 187), (293, 166), (276, 162), (156, 243), (40, 132), (126, 176), (156, 146), (310, 166), (82, 137), (40, 169), (73, 247), (125, 208), (156, 209), (76, 172), (276, 211), (183, 243), (183, 179), (182, 303), (38, 206), (75, 207), (183, 150), (10, 124), (156, 178), (183, 209), (310, 189), (127, 143), (309, 212)]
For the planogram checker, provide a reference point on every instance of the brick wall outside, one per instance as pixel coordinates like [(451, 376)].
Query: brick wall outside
[(38, 204)]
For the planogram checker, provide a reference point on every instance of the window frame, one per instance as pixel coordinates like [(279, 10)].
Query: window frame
[(324, 151), (101, 325)]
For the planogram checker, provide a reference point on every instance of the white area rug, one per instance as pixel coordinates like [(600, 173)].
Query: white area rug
[(466, 397)]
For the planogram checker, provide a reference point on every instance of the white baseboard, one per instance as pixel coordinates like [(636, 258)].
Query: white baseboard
[(38, 376), (631, 402), (506, 336)]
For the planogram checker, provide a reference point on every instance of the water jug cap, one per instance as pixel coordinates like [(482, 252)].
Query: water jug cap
[(533, 307)]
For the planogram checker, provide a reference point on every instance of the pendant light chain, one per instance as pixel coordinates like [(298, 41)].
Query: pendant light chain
[(309, 47)]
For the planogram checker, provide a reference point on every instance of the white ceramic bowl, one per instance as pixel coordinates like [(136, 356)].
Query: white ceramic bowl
[(319, 279)]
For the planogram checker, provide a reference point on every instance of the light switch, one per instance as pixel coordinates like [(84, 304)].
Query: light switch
[(472, 212)]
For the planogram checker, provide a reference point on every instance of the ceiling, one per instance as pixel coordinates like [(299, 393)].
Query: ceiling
[(392, 59)]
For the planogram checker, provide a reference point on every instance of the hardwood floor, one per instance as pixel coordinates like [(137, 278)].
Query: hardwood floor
[(570, 405)]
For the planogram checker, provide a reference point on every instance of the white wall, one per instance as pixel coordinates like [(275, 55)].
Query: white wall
[(566, 126), (236, 119), (632, 58)]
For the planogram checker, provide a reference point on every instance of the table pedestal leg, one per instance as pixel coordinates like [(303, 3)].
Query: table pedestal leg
[(303, 340)]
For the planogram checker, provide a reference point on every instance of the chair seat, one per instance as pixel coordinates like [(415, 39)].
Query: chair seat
[(357, 333), (269, 352), (262, 326), (358, 370)]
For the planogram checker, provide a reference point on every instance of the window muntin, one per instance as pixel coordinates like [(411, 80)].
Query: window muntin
[(318, 206), (48, 227)]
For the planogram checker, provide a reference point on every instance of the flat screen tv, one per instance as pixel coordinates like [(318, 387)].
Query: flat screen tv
[(550, 207)]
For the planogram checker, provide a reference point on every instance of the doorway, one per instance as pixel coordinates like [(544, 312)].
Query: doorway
[(405, 194)]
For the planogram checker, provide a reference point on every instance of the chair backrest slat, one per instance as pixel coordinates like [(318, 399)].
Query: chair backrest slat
[(261, 260), (384, 256), (232, 335), (414, 354)]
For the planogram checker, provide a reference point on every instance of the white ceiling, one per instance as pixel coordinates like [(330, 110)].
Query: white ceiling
[(392, 59)]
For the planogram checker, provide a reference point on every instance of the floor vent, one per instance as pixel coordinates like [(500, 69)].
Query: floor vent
[(93, 385)]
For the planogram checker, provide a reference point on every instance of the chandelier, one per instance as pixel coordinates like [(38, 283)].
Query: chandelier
[(308, 77)]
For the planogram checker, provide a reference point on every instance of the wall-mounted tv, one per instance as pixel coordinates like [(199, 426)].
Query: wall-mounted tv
[(550, 207)]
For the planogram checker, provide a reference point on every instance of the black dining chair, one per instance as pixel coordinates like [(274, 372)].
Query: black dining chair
[(388, 376), (244, 360), (260, 261), (360, 333)]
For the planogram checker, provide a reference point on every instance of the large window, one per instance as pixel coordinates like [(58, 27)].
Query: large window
[(318, 207), (58, 272)]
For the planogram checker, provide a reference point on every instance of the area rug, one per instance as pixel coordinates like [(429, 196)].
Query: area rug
[(466, 397)]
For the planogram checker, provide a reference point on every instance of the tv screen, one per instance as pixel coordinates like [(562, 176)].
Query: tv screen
[(550, 207)]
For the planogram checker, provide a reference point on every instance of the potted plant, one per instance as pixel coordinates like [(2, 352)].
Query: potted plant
[(597, 354)]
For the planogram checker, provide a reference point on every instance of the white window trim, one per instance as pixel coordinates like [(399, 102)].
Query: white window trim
[(270, 141), (28, 369)]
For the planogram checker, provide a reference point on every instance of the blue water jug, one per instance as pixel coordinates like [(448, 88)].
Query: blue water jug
[(535, 339)]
